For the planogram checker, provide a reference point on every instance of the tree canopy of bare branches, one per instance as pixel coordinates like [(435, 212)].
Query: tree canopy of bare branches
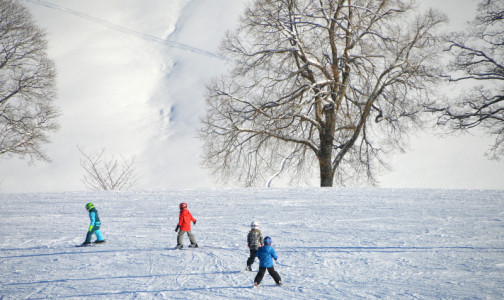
[(478, 58), (319, 85), (103, 174), (27, 85)]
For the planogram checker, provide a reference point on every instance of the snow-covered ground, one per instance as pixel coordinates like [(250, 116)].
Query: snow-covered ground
[(331, 243)]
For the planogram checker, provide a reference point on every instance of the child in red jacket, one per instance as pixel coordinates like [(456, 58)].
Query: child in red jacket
[(184, 225)]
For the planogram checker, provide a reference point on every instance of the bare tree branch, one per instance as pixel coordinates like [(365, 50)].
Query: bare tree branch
[(103, 174), (478, 56)]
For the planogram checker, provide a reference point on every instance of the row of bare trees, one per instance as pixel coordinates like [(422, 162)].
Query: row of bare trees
[(315, 86)]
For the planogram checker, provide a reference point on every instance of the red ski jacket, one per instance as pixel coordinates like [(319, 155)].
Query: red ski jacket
[(185, 219)]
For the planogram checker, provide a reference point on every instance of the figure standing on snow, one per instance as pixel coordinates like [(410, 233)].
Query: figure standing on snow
[(94, 226), (265, 254), (254, 242), (184, 225)]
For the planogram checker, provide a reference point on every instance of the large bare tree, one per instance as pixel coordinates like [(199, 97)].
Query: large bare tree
[(327, 85), (478, 58), (27, 85)]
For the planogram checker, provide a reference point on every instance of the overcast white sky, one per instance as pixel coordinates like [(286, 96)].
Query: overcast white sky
[(119, 91)]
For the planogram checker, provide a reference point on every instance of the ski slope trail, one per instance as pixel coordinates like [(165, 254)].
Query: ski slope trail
[(331, 244)]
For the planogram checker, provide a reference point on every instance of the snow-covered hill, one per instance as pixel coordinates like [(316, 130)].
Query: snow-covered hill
[(131, 80), (331, 243)]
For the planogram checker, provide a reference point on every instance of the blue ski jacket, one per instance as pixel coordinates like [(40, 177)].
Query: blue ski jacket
[(265, 255), (94, 218)]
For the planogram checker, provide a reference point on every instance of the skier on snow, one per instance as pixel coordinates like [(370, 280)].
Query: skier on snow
[(184, 225), (254, 242), (94, 226), (265, 254)]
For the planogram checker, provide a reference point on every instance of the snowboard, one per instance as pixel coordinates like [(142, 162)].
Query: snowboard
[(89, 245), (268, 285), (184, 248)]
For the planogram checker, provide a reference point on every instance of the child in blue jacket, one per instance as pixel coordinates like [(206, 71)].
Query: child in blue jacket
[(94, 226), (265, 255)]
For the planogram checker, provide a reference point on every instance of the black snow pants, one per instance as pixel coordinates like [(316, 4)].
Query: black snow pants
[(272, 273), (251, 258)]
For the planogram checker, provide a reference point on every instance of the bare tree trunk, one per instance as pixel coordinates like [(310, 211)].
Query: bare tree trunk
[(326, 148), (326, 172)]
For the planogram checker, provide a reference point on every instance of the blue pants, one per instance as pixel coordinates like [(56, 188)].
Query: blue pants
[(96, 230)]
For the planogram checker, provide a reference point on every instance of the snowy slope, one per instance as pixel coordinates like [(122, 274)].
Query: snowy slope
[(331, 243), (126, 84), (131, 80)]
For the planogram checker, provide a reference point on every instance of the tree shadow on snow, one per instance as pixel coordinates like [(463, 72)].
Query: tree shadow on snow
[(174, 290), (80, 251), (393, 249), (122, 277)]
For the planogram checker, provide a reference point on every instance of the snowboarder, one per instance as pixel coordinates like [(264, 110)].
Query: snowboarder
[(184, 225), (265, 253), (94, 226), (254, 241)]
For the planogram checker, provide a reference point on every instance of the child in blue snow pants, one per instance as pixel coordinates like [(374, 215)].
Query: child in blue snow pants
[(94, 225)]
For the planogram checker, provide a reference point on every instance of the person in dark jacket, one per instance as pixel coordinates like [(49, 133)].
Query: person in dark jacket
[(94, 226), (254, 242), (184, 226), (265, 255)]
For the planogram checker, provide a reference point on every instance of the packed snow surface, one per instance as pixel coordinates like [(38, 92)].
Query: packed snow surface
[(331, 243)]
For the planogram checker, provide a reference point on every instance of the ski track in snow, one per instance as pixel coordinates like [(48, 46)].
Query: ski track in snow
[(331, 243)]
